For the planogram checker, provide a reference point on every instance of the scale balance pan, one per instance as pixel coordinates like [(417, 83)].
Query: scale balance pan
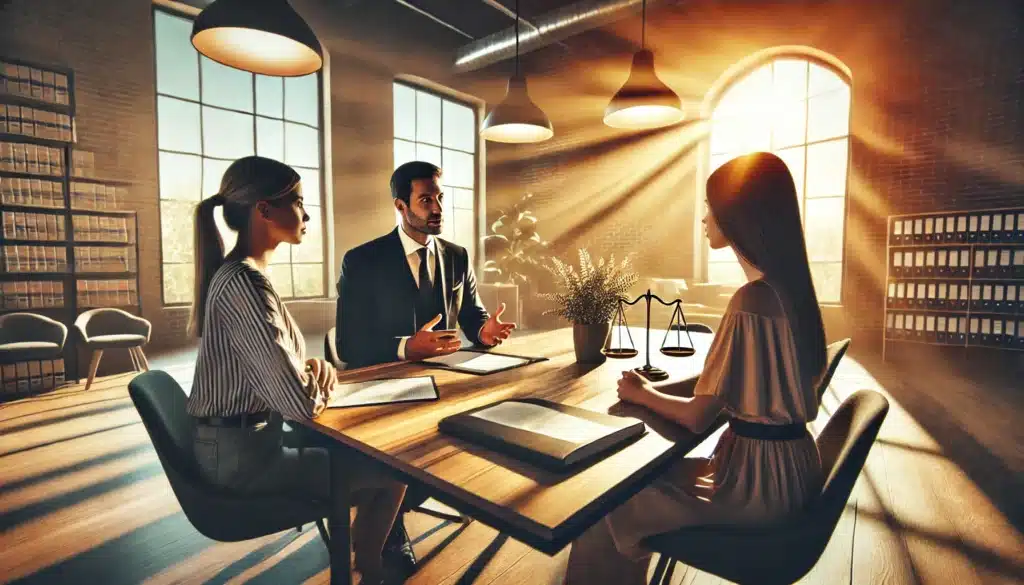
[(678, 351), (619, 353)]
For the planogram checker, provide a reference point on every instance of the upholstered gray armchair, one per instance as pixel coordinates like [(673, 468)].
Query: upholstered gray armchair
[(28, 337), (103, 329)]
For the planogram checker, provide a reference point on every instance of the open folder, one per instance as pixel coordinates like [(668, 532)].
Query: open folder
[(548, 434), (480, 362), (384, 391)]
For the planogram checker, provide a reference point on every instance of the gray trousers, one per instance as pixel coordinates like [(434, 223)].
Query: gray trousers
[(270, 459)]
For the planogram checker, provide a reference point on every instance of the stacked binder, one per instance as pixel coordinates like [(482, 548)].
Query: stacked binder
[(956, 278)]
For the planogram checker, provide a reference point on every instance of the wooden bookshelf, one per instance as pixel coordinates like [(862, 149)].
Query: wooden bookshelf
[(66, 242), (956, 278)]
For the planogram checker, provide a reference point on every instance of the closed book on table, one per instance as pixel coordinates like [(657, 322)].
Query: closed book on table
[(547, 434)]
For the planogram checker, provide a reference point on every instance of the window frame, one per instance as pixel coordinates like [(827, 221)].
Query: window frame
[(755, 62), (477, 153), (322, 203)]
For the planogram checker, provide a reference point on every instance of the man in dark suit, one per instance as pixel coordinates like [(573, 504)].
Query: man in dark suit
[(395, 290)]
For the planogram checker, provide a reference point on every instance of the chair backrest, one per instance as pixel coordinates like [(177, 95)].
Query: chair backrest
[(844, 444), (331, 349), (161, 405), (15, 327), (833, 354), (215, 513), (111, 321)]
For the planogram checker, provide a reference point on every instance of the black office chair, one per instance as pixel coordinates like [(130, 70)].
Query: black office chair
[(218, 515), (331, 349), (782, 553), (834, 354), (693, 328)]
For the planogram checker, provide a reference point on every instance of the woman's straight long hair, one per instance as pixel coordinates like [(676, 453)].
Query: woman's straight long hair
[(246, 182), (754, 201)]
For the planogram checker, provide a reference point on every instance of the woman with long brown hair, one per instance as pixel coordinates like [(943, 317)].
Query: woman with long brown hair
[(761, 372), (252, 373)]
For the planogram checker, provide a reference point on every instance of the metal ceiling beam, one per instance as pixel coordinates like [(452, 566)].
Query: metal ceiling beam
[(440, 21), (511, 14), (508, 12), (551, 27)]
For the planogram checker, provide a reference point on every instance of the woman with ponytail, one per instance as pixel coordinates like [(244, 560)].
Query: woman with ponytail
[(761, 372), (252, 373)]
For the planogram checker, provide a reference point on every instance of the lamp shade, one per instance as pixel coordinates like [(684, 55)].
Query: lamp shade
[(262, 36), (517, 119), (644, 101)]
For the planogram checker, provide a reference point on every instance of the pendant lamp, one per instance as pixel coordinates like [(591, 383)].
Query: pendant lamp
[(644, 101), (261, 36), (517, 119)]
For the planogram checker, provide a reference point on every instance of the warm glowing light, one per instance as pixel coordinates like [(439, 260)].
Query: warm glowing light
[(257, 51), (260, 36), (517, 133), (644, 117), (644, 101), (800, 111), (517, 119)]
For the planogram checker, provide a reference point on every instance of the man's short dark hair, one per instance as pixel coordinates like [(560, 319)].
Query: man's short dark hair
[(402, 178)]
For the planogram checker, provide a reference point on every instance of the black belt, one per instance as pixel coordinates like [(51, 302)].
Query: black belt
[(237, 421), (764, 432)]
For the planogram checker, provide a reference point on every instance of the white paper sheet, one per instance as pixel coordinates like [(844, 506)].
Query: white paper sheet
[(382, 391), (478, 362), (544, 421)]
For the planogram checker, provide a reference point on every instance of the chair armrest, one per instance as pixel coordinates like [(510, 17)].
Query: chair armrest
[(82, 323), (138, 326), (56, 332)]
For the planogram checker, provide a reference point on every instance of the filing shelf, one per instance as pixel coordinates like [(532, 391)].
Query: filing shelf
[(956, 278), (29, 280)]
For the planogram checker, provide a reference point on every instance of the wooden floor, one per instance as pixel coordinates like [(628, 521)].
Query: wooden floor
[(83, 498)]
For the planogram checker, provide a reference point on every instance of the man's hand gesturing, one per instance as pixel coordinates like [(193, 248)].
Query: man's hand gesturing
[(428, 343)]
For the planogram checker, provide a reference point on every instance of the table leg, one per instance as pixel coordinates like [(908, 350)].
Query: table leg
[(338, 525)]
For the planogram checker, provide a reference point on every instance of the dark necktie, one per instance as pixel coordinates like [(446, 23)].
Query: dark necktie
[(425, 285)]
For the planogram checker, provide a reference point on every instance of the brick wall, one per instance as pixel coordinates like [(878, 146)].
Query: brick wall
[(109, 45), (937, 123), (937, 119)]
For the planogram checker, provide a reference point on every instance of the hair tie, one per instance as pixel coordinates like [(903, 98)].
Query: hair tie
[(218, 199)]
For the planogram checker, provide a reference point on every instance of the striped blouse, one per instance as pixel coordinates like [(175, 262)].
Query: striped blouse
[(252, 354)]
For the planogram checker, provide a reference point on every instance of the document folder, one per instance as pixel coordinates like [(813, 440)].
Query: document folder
[(479, 362), (547, 434)]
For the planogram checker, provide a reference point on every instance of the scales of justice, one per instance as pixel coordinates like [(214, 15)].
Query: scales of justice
[(677, 325)]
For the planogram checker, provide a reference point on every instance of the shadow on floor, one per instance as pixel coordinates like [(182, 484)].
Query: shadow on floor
[(970, 406)]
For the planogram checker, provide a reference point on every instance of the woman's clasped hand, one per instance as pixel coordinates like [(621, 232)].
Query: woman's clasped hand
[(324, 374)]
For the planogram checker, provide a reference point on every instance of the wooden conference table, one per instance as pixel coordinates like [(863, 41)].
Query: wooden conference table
[(543, 509)]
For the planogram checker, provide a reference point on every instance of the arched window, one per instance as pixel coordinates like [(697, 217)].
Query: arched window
[(798, 109)]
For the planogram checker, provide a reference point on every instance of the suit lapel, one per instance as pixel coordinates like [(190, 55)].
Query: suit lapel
[(446, 278)]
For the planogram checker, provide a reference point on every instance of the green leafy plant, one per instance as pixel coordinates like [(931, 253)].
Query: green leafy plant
[(516, 251), (591, 295)]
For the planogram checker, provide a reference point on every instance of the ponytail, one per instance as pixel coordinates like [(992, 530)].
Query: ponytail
[(209, 250)]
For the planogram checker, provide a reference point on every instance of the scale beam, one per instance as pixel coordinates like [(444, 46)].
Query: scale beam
[(624, 352)]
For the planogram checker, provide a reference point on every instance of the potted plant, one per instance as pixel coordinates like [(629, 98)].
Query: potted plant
[(516, 252), (589, 299)]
